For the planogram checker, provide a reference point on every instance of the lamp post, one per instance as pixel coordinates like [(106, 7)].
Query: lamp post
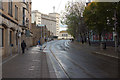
[(18, 36), (115, 25), (41, 39), (115, 28)]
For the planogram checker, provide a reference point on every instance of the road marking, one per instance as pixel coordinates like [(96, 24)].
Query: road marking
[(107, 55), (35, 60), (31, 68)]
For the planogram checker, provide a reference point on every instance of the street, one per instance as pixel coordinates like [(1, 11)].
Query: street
[(73, 61), (60, 59)]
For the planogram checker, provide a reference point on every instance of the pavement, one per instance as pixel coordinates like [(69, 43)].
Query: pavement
[(32, 64), (109, 51)]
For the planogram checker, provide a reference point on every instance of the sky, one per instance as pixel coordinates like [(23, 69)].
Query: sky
[(46, 6)]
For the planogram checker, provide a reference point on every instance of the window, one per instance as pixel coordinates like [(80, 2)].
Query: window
[(16, 39), (62, 34), (16, 12), (1, 37), (23, 16), (10, 7), (27, 6), (66, 35), (1, 4), (10, 37), (24, 1)]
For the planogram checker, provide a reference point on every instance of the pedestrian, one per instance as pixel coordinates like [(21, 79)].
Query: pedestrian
[(39, 43), (23, 46), (45, 40)]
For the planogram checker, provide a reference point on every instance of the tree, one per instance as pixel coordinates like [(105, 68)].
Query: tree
[(74, 20), (98, 17)]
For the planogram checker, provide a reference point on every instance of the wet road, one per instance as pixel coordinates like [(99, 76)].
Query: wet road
[(74, 61)]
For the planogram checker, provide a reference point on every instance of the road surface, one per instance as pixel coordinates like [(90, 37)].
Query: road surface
[(74, 61)]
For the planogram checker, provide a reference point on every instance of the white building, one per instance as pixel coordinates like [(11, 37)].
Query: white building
[(64, 35), (57, 16), (36, 17), (51, 21)]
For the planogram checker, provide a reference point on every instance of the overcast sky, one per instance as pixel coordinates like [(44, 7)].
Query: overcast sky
[(46, 6)]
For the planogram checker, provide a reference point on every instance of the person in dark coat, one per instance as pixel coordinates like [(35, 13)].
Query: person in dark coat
[(23, 46)]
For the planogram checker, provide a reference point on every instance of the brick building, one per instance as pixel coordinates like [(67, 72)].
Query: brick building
[(39, 33), (51, 21), (15, 26)]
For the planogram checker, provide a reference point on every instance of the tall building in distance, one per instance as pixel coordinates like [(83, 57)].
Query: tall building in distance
[(51, 21), (57, 17)]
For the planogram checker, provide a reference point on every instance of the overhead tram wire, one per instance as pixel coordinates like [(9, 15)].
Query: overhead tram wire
[(59, 5)]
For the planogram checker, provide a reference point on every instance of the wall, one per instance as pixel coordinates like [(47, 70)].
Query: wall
[(10, 24)]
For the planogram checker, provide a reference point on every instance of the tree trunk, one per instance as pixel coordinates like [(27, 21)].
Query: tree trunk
[(89, 39), (82, 38), (99, 38), (85, 38)]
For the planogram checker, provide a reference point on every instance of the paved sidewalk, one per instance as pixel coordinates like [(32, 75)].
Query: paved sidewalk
[(110, 51), (32, 64)]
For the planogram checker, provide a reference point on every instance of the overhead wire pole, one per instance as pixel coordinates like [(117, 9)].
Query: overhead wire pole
[(115, 31)]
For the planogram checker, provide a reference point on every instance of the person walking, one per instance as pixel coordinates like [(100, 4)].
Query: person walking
[(38, 42), (23, 46)]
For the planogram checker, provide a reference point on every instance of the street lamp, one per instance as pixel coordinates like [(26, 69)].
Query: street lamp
[(18, 36)]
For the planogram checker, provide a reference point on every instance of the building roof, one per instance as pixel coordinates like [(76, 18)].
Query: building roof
[(63, 31)]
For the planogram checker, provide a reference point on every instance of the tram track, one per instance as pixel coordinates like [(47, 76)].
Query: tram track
[(72, 61), (66, 74)]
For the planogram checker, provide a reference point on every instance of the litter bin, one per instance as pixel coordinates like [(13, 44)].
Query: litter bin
[(104, 45)]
